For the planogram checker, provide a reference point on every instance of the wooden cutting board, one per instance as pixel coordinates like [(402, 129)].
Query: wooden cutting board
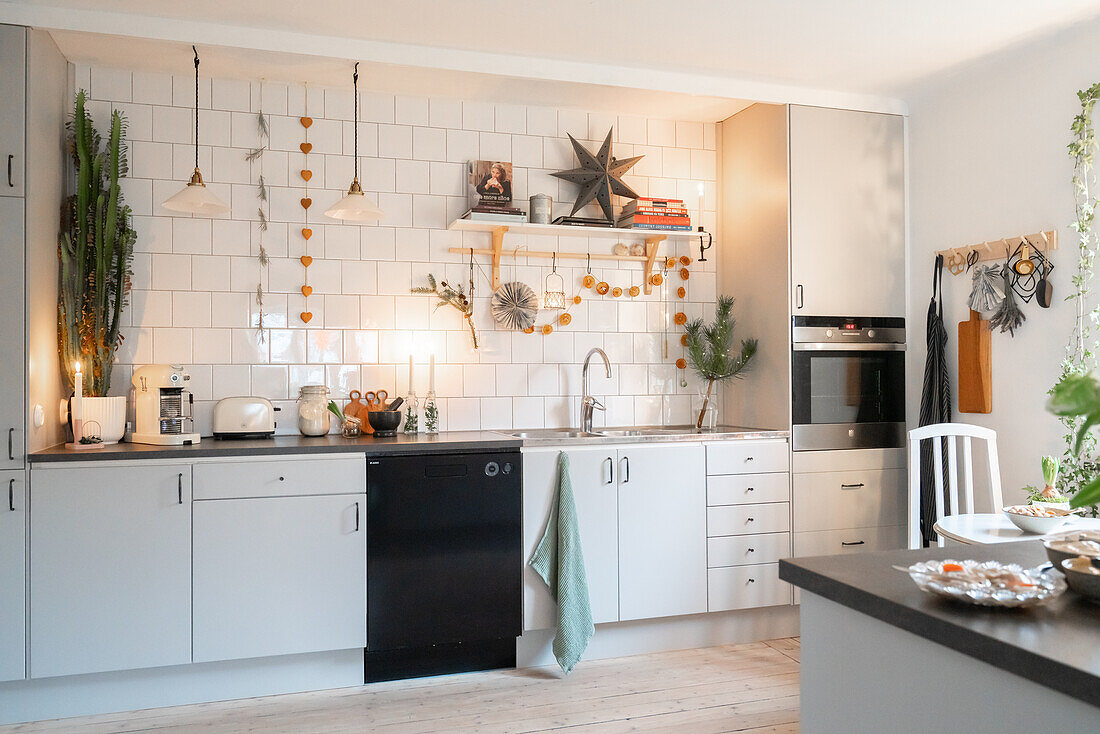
[(975, 378)]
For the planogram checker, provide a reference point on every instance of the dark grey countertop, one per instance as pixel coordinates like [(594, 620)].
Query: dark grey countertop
[(1056, 645), (448, 442)]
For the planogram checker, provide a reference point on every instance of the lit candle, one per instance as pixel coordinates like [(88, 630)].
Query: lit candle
[(431, 374), (74, 407), (411, 389)]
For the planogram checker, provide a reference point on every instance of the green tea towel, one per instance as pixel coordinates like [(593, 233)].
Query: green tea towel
[(559, 561)]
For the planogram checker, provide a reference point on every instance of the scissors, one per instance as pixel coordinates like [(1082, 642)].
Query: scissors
[(376, 399)]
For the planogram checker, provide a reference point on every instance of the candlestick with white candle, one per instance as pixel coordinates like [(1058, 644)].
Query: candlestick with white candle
[(75, 408), (702, 201), (412, 380)]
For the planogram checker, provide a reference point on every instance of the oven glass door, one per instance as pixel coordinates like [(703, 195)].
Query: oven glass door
[(848, 398)]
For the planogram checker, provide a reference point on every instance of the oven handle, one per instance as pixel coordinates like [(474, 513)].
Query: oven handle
[(854, 347)]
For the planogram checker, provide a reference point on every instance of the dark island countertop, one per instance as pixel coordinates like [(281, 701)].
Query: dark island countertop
[(446, 442), (1056, 645)]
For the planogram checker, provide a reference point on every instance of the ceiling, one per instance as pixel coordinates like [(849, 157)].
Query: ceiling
[(871, 49)]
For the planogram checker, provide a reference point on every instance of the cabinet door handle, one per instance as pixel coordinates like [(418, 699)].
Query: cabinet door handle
[(11, 495), (11, 183), (851, 486), (610, 470), (357, 517), (798, 291), (626, 471), (179, 488), (11, 444), (851, 542)]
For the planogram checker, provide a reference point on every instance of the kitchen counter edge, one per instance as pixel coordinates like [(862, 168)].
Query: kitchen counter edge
[(446, 442)]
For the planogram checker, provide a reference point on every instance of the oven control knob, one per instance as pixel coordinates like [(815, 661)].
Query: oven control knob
[(829, 333), (507, 467), (492, 469), (870, 333)]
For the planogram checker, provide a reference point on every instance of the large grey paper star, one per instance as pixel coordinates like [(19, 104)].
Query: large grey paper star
[(599, 176)]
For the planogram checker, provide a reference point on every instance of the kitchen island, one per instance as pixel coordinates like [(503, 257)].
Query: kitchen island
[(879, 655)]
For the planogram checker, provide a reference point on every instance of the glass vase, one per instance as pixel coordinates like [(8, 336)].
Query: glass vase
[(431, 414), (412, 413)]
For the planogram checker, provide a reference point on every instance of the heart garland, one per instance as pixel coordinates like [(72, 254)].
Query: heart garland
[(306, 202)]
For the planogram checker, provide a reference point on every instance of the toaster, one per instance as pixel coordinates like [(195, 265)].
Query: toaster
[(244, 417)]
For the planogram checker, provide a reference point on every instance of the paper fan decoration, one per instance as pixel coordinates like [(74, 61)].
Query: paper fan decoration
[(515, 305)]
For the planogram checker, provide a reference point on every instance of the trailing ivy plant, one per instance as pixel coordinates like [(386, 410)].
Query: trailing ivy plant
[(1079, 460), (95, 248)]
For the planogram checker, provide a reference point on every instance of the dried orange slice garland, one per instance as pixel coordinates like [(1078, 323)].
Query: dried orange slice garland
[(603, 288), (306, 315)]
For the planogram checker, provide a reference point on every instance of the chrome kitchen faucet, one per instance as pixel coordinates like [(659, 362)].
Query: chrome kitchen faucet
[(588, 403)]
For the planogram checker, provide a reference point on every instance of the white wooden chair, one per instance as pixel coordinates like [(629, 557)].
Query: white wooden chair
[(953, 433)]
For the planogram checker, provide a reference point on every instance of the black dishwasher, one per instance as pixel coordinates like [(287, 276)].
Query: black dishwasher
[(444, 564)]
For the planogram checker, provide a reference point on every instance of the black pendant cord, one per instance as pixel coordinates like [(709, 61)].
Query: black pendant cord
[(196, 107), (355, 127)]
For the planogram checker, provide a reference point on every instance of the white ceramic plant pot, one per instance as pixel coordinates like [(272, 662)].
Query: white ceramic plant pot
[(109, 413)]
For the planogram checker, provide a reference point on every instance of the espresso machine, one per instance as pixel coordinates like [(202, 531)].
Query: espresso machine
[(164, 409)]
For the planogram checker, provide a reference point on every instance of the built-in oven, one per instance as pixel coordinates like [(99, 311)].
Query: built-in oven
[(847, 383)]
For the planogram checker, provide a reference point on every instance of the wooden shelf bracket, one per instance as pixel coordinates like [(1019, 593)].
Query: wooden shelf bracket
[(498, 248), (650, 256)]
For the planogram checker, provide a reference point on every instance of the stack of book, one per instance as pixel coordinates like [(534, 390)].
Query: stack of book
[(583, 222), (651, 213), (487, 213)]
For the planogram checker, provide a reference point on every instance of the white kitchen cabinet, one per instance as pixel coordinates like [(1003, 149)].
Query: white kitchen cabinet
[(662, 531), (13, 576), (279, 575), (13, 99), (12, 330), (847, 213), (595, 492), (745, 587), (110, 568)]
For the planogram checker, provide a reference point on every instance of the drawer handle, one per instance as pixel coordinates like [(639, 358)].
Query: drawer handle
[(11, 495), (750, 489), (851, 542), (752, 550), (750, 519), (11, 184), (752, 581), (748, 458), (179, 488), (357, 517), (282, 479), (851, 486)]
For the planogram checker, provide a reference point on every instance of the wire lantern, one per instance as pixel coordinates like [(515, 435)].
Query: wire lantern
[(553, 291)]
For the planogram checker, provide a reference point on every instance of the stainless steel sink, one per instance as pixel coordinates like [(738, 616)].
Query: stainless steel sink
[(554, 433), (637, 432)]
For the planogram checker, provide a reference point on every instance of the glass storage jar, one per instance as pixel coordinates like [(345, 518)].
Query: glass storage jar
[(313, 415)]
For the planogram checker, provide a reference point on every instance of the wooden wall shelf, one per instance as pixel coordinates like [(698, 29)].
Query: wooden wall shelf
[(955, 258), (652, 238)]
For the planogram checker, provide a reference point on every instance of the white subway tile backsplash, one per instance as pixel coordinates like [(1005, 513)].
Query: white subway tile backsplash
[(410, 110), (195, 278)]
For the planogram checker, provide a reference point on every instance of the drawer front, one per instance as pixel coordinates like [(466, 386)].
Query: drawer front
[(280, 478), (746, 550), (738, 489), (857, 540), (744, 587), (747, 457), (849, 499), (771, 517)]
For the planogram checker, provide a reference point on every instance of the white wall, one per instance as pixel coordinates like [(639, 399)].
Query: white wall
[(193, 278), (987, 160)]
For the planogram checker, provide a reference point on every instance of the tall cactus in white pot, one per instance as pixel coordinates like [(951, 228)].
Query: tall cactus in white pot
[(95, 249)]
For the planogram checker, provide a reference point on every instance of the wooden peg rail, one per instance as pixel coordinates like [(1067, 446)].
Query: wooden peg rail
[(498, 252), (955, 257)]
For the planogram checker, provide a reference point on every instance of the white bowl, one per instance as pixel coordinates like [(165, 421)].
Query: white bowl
[(1037, 525)]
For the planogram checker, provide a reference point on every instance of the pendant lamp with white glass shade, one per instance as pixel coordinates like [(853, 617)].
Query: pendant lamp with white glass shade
[(195, 198), (355, 206)]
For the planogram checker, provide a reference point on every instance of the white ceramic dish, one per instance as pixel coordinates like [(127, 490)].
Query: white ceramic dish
[(1047, 585), (1037, 525)]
